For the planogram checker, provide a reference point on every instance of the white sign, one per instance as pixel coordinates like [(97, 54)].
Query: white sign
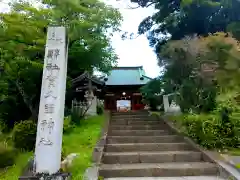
[(51, 110), (124, 104), (165, 103)]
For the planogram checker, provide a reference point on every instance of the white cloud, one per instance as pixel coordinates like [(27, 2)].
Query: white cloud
[(134, 52), (4, 5)]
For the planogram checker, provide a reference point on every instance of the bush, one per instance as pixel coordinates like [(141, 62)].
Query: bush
[(99, 110), (67, 111), (75, 117), (154, 102), (3, 127), (210, 131), (7, 155), (67, 126), (63, 153), (24, 135)]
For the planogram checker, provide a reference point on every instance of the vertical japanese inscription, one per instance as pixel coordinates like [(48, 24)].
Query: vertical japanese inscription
[(46, 142), (52, 71), (49, 108), (54, 37), (51, 77), (47, 127), (49, 135)]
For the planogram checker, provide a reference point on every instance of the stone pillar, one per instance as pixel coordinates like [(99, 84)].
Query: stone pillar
[(92, 101), (165, 103), (51, 110)]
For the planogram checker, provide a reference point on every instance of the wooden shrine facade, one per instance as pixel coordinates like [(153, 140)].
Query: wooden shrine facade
[(131, 93), (124, 83), (85, 83)]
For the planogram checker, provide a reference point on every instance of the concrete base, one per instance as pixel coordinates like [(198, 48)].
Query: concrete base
[(170, 178), (58, 176)]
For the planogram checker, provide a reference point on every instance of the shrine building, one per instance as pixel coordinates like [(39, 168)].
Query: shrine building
[(124, 83), (86, 82), (121, 85)]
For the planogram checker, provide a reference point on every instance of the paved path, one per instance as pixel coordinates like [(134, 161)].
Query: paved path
[(234, 160), (170, 178)]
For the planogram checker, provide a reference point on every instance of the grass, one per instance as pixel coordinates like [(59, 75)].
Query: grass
[(234, 151), (155, 113), (158, 113), (237, 165), (13, 172), (81, 140)]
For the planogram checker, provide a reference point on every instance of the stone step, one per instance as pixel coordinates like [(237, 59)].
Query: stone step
[(131, 113), (138, 132), (136, 122), (160, 169), (132, 118), (151, 157), (137, 127), (143, 139), (169, 178), (131, 147), (145, 118)]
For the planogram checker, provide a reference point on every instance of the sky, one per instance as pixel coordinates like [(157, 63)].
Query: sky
[(134, 52)]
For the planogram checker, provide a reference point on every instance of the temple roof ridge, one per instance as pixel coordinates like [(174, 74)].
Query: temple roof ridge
[(127, 75), (128, 67), (88, 76)]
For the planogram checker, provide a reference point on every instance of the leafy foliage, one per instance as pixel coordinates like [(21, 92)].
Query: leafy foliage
[(100, 109), (200, 64), (175, 19), (210, 131), (205, 71), (7, 155), (22, 43), (152, 93), (24, 135), (234, 28), (67, 125), (199, 68), (76, 117)]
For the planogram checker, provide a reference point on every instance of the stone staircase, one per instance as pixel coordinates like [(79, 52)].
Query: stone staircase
[(139, 145)]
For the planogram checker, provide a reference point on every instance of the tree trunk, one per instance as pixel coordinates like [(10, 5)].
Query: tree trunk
[(34, 115), (34, 111)]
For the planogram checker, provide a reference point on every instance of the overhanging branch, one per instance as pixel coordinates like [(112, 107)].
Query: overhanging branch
[(139, 6)]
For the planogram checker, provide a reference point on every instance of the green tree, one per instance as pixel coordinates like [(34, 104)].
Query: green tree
[(200, 68), (152, 93), (89, 24), (175, 19)]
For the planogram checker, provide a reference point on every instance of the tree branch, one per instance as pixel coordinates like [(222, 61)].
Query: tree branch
[(129, 7), (139, 6), (135, 37)]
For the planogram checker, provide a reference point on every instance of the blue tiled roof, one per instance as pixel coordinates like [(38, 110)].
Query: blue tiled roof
[(127, 76)]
